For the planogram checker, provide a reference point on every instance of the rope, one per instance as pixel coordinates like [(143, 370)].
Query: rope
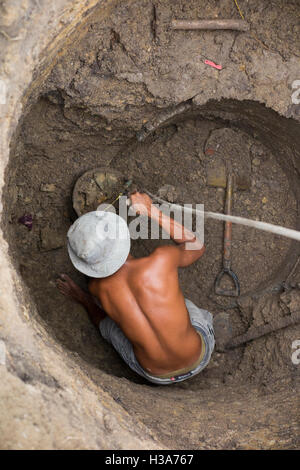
[(239, 10), (251, 33), (266, 227)]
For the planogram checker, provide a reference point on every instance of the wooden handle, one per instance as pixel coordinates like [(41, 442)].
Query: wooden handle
[(238, 25), (228, 225)]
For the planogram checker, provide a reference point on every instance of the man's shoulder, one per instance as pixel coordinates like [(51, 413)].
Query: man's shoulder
[(94, 285), (165, 252), (166, 255)]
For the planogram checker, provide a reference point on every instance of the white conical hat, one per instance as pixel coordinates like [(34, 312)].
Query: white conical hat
[(98, 243)]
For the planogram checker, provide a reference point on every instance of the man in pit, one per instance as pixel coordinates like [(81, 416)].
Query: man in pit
[(137, 303)]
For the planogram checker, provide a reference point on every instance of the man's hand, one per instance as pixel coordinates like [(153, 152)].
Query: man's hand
[(182, 255), (141, 203)]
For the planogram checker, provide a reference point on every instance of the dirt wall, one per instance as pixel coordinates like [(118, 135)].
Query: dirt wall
[(79, 88)]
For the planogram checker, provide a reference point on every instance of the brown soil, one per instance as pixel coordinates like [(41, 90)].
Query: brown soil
[(96, 99)]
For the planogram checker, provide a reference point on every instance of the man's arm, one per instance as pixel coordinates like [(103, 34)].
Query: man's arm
[(189, 248)]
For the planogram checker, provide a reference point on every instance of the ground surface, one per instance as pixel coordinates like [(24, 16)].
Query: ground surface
[(126, 68)]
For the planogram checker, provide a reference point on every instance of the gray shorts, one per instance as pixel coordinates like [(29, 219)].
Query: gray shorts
[(201, 320)]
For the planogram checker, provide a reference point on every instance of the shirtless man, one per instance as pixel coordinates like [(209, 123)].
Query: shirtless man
[(137, 303)]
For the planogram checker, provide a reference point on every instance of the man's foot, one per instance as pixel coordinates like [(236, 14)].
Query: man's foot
[(70, 289)]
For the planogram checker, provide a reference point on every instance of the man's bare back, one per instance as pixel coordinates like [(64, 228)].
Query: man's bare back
[(144, 298)]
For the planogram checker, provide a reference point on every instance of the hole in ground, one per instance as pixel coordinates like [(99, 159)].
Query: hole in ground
[(177, 160), (64, 134)]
